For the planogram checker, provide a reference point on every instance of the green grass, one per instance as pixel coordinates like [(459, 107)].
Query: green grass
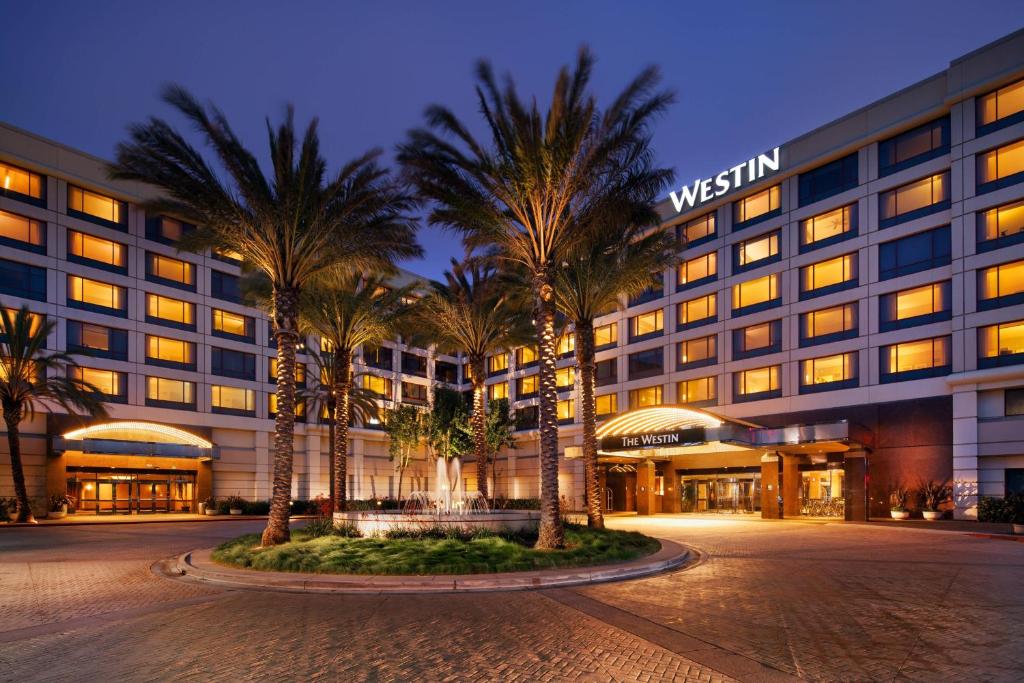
[(433, 553)]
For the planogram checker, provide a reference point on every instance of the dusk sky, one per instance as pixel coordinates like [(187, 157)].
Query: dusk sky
[(748, 76)]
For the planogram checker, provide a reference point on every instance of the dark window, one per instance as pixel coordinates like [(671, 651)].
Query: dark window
[(914, 253), (225, 286), (377, 357), (655, 291), (646, 363), (1014, 480), (606, 372), (20, 279), (527, 417), (413, 364), (916, 306), (1013, 402), (757, 340), (228, 363), (446, 372), (831, 179), (913, 147), (414, 393), (97, 341), (166, 230)]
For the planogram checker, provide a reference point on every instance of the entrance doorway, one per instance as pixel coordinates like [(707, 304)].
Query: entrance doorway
[(125, 492), (732, 493)]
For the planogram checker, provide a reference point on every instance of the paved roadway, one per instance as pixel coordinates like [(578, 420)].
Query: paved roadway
[(772, 600)]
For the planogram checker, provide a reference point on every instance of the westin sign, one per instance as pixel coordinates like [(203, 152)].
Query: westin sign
[(701, 191)]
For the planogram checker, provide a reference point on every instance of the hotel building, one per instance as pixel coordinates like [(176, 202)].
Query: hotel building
[(848, 317)]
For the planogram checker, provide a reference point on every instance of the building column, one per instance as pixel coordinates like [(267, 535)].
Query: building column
[(645, 488), (264, 472), (56, 474), (315, 484), (965, 452), (355, 469), (770, 490), (790, 486), (855, 486), (204, 481), (671, 501), (602, 485)]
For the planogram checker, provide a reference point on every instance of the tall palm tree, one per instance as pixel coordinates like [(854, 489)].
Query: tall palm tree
[(531, 189), (31, 377), (350, 311), (618, 259), (290, 225), (472, 312)]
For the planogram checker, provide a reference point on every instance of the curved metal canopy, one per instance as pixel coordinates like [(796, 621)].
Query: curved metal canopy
[(143, 432), (660, 419)]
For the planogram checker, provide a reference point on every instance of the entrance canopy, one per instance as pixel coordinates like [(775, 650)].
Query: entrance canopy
[(672, 430), (136, 438)]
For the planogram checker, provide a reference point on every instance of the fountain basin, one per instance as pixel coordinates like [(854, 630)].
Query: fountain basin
[(372, 523)]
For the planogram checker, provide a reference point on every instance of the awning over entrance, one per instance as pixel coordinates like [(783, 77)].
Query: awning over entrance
[(664, 431), (136, 438)]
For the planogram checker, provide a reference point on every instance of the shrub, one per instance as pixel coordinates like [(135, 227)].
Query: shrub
[(324, 526), (502, 503), (8, 506), (1006, 510), (373, 504), (256, 507), (59, 500)]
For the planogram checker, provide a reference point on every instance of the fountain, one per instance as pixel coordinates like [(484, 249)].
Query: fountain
[(447, 505)]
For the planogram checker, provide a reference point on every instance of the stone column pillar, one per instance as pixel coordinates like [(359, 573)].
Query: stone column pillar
[(770, 486), (204, 481), (602, 485), (672, 500), (264, 471), (855, 486), (965, 452), (645, 488), (790, 486)]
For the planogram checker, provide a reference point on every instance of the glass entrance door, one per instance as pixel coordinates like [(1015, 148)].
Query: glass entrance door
[(721, 493), (132, 493)]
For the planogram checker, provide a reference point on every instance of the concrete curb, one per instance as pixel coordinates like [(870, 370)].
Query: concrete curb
[(197, 566)]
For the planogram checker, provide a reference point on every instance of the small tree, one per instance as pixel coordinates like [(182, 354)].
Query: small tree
[(448, 433), (500, 433), (405, 429)]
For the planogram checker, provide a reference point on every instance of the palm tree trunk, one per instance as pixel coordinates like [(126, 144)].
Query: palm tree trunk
[(342, 398), (17, 471), (286, 308), (480, 426), (551, 535), (585, 361), (332, 454)]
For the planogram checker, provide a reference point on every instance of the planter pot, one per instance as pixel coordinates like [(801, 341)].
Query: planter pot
[(57, 514), (235, 511), (211, 511), (202, 508), (1018, 529), (899, 514), (932, 514)]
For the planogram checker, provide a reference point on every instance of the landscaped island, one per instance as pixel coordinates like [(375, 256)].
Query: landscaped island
[(319, 549)]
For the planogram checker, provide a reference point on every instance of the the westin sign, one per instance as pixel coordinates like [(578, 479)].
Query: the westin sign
[(680, 437), (701, 191)]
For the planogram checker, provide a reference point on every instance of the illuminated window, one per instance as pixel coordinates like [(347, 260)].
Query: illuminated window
[(564, 378), (526, 387), (170, 271), (112, 384), (697, 230), (526, 356), (1001, 226), (566, 345), (917, 306), (828, 276), (34, 321), (828, 228), (913, 146), (232, 400), (755, 252), (703, 309), (300, 371), (326, 345), (93, 206), (1001, 285), (566, 410), (166, 230), (915, 359), (646, 325), (698, 269), (828, 324), (605, 405), (415, 393), (1001, 344), (998, 167), (160, 391), (697, 352), (646, 363), (377, 385), (762, 292), (18, 183), (169, 352), (22, 232), (1003, 106), (496, 391), (912, 200), (606, 336), (96, 250), (834, 372), (700, 391), (497, 363), (761, 205), (228, 324), (300, 407), (97, 340), (757, 383), (167, 311), (90, 294), (757, 340), (226, 255), (646, 397)]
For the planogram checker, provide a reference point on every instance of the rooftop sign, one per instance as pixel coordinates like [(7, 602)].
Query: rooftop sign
[(692, 196)]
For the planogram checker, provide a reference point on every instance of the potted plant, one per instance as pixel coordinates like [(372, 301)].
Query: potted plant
[(8, 509), (210, 506), (59, 505), (235, 505), (933, 495), (898, 503)]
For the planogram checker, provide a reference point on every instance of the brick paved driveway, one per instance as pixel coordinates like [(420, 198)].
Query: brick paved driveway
[(773, 599)]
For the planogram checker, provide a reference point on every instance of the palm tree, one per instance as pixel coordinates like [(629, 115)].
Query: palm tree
[(26, 383), (320, 398), (350, 311), (290, 226), (531, 189), (617, 259), (472, 312)]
